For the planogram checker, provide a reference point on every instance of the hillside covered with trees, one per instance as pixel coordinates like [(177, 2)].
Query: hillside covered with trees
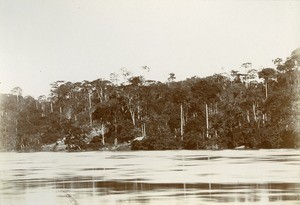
[(248, 107)]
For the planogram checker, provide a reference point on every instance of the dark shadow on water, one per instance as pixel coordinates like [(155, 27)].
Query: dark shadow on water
[(97, 169), (140, 191), (120, 178)]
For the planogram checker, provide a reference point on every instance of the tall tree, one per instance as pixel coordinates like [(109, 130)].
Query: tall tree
[(18, 92), (267, 74), (171, 77)]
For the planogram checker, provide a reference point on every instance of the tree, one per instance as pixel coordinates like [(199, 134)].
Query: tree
[(171, 77), (245, 71), (196, 113), (88, 93), (136, 80), (146, 68), (17, 91), (101, 87), (114, 78), (42, 100), (103, 114), (125, 73), (267, 74)]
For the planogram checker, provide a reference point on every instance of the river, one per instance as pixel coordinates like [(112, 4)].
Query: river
[(151, 177)]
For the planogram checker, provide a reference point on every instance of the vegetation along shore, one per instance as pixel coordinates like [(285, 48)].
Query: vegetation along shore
[(246, 108)]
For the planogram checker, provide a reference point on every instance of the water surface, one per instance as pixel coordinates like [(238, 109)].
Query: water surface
[(151, 177)]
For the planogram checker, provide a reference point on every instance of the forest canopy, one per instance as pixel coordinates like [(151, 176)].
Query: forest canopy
[(250, 108)]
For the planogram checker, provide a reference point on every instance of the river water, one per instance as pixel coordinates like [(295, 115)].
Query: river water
[(151, 177)]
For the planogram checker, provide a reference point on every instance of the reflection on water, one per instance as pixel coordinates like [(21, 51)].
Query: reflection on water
[(154, 177)]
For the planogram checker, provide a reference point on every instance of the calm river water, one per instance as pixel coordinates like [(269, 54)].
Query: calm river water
[(151, 177)]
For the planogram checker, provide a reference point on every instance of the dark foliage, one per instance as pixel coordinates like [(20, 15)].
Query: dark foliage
[(158, 116)]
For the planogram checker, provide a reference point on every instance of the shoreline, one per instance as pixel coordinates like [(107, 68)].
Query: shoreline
[(118, 150)]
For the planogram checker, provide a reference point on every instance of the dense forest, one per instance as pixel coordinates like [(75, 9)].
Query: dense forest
[(248, 107)]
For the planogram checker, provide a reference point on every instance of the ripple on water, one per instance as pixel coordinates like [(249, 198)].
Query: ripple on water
[(177, 177)]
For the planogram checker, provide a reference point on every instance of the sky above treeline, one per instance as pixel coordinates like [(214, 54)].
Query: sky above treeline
[(75, 40)]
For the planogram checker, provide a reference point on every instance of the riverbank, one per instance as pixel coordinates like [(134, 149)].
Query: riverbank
[(62, 147)]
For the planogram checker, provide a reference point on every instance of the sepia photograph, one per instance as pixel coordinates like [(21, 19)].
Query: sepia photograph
[(129, 102)]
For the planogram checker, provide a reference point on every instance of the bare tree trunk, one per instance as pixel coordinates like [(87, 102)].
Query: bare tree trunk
[(248, 117), (139, 112), (206, 114), (181, 121), (90, 110), (60, 111), (132, 116), (90, 101), (99, 96), (143, 130), (266, 85), (17, 127), (103, 132), (51, 107), (102, 95), (91, 119), (43, 110), (254, 112)]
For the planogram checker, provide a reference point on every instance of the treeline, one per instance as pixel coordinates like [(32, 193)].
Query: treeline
[(251, 108)]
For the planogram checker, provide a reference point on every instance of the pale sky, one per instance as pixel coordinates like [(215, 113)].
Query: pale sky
[(42, 41)]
